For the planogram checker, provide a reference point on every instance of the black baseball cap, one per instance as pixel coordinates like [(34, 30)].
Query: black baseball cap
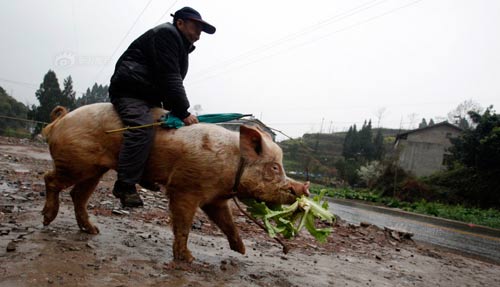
[(189, 13)]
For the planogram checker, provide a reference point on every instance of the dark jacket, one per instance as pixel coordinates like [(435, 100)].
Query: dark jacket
[(153, 68)]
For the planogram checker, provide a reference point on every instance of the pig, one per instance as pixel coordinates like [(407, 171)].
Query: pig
[(197, 165)]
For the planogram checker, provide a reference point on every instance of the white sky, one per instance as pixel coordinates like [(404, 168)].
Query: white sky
[(293, 64)]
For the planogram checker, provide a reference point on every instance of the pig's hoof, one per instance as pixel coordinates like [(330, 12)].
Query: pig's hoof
[(90, 229), (185, 257), (238, 247), (93, 230), (47, 220), (48, 216)]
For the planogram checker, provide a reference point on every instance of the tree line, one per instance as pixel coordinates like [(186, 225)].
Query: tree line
[(359, 148), (361, 145), (49, 95), (9, 109), (335, 157)]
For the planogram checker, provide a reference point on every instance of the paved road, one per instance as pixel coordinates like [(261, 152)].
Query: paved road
[(477, 241)]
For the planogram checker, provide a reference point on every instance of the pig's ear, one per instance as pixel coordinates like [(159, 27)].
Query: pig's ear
[(250, 142)]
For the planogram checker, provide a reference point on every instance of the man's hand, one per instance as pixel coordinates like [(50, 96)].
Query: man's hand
[(191, 119)]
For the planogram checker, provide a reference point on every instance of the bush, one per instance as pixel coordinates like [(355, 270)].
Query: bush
[(370, 172), (347, 170), (412, 190), (467, 186), (347, 193), (474, 163), (15, 133), (390, 175), (487, 217)]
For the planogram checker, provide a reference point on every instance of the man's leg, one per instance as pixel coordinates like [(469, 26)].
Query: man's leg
[(135, 148)]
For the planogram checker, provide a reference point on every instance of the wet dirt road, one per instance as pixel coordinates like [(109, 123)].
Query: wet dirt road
[(473, 240), (134, 247)]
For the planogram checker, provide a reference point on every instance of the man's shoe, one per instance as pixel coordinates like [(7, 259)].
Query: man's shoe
[(127, 194), (149, 185), (131, 200)]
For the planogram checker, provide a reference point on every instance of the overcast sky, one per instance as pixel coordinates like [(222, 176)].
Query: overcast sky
[(293, 64)]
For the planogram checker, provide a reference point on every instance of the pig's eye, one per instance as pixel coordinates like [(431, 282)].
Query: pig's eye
[(272, 171), (276, 168)]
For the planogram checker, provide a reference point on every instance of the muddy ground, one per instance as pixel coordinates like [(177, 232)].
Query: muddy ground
[(134, 247)]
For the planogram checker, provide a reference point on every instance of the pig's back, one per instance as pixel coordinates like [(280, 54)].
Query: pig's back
[(199, 140), (200, 154)]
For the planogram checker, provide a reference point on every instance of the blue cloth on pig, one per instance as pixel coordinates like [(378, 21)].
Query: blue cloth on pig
[(172, 122)]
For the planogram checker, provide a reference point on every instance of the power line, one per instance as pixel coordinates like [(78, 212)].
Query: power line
[(166, 11), (123, 39), (295, 35), (315, 123), (75, 30), (287, 50), (19, 83), (23, 120), (28, 85)]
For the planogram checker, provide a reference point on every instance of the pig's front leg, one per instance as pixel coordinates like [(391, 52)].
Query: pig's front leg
[(183, 206), (220, 214)]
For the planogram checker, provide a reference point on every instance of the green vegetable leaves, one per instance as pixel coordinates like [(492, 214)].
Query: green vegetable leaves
[(289, 220)]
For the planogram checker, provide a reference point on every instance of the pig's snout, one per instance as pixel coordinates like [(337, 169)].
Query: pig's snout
[(298, 188)]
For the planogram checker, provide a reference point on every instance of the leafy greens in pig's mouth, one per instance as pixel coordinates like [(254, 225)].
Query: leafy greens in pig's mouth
[(289, 220)]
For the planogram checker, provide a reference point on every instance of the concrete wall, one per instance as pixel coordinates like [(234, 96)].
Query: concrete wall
[(423, 151)]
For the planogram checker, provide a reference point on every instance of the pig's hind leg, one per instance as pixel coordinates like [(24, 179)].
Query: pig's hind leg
[(54, 182), (220, 213), (80, 194)]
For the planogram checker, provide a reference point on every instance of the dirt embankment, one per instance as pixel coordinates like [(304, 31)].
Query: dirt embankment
[(134, 247)]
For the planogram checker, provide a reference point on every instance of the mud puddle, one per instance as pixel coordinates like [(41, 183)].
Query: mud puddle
[(26, 151)]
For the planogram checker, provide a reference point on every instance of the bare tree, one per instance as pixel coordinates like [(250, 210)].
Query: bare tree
[(412, 120), (459, 116)]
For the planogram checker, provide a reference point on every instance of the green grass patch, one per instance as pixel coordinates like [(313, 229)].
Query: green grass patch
[(487, 217)]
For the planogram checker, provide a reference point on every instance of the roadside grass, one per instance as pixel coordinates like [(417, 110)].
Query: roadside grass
[(486, 217)]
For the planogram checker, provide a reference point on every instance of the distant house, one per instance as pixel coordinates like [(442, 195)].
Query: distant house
[(235, 126), (421, 151)]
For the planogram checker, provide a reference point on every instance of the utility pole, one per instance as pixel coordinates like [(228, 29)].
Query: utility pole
[(396, 163), (315, 147)]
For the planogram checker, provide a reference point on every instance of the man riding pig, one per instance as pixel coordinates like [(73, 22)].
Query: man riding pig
[(150, 74), (199, 165)]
